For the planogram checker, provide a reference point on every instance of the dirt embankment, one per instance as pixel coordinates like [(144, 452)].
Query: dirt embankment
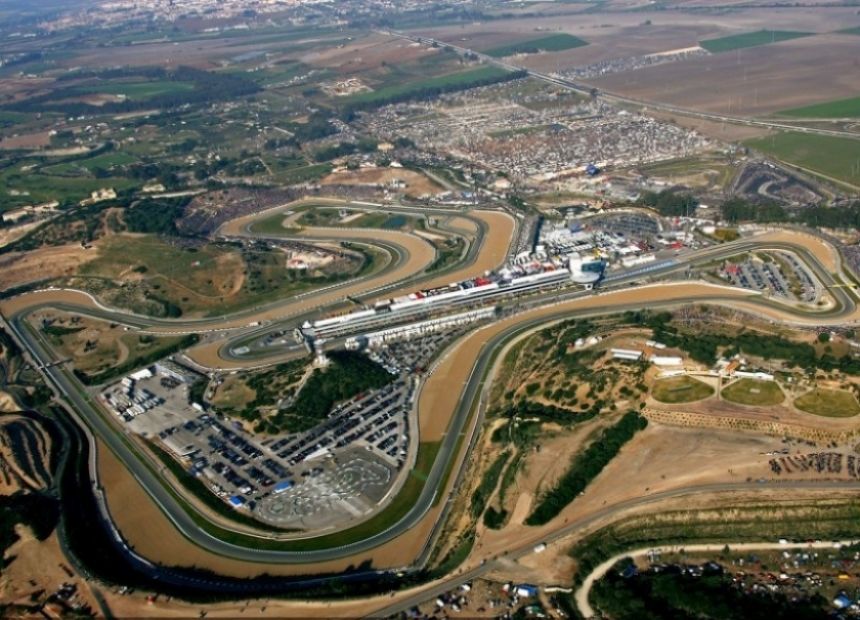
[(17, 268)]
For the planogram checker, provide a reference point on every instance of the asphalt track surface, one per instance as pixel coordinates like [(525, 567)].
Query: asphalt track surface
[(68, 386), (593, 519)]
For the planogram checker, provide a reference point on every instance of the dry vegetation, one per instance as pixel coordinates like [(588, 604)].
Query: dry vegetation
[(94, 346), (416, 184), (25, 452)]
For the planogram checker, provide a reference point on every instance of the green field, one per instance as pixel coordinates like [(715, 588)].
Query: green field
[(840, 108), (682, 389), (551, 43), (43, 187), (461, 79), (838, 158), (103, 162), (273, 225), (329, 216), (829, 403), (754, 392), (750, 39), (138, 91)]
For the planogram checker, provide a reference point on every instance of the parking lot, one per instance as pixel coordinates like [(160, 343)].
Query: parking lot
[(323, 478), (333, 491), (780, 274)]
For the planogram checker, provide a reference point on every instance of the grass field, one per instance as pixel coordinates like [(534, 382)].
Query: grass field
[(273, 225), (138, 91), (829, 403), (552, 43), (683, 389), (750, 39), (754, 392), (841, 108), (327, 216), (838, 158), (445, 81), (104, 162), (44, 187)]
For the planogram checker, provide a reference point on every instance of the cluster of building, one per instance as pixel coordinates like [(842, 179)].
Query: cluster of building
[(514, 280), (538, 143), (632, 63), (418, 329), (128, 401)]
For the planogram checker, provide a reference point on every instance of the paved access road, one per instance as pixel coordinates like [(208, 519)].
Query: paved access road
[(431, 591), (539, 311)]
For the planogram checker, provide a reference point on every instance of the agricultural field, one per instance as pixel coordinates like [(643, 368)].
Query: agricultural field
[(843, 108), (831, 157), (682, 389), (453, 80), (753, 392), (139, 91), (750, 39), (829, 403), (552, 43), (765, 84)]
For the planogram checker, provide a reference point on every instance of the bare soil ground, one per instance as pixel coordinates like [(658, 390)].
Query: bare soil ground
[(754, 81), (726, 132), (416, 183), (151, 534), (366, 54), (40, 568), (96, 346), (26, 141), (10, 235), (657, 459), (24, 452), (17, 268)]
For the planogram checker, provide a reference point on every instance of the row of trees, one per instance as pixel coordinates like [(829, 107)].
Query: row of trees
[(208, 87), (739, 210), (671, 203), (585, 467), (431, 92), (349, 374), (704, 347)]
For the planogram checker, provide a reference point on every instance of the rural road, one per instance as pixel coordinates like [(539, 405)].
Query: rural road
[(527, 547), (527, 314), (585, 89)]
